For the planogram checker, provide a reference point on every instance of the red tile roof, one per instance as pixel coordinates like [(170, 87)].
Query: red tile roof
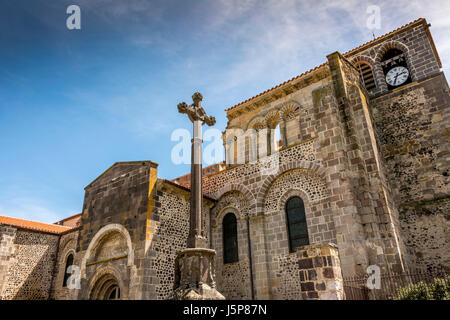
[(345, 54), (33, 225)]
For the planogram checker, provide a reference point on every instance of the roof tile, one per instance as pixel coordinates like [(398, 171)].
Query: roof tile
[(33, 225)]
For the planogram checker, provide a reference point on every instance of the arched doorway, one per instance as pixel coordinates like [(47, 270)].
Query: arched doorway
[(106, 288)]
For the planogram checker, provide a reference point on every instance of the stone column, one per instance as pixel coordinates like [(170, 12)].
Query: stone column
[(194, 266), (320, 273)]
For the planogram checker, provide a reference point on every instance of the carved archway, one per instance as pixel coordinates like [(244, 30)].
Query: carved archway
[(106, 285), (242, 189), (395, 45), (296, 164), (103, 232)]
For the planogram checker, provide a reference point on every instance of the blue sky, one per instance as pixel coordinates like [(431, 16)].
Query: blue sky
[(73, 102)]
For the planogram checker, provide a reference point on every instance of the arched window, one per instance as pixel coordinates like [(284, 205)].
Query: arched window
[(278, 140), (296, 220), (69, 262), (395, 68), (366, 74), (113, 293), (230, 243)]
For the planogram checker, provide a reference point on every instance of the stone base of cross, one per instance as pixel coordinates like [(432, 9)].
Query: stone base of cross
[(195, 275)]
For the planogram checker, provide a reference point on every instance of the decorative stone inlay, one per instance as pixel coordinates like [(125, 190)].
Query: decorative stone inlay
[(194, 275)]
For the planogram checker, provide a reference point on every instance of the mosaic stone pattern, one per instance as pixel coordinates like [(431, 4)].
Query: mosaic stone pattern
[(30, 272)]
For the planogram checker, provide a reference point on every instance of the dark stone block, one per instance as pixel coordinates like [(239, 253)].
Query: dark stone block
[(320, 286), (313, 295), (302, 275), (318, 262), (328, 273), (312, 275), (305, 263), (307, 286)]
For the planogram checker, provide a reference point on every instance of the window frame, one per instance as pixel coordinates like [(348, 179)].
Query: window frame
[(235, 257), (66, 274), (358, 65), (288, 225)]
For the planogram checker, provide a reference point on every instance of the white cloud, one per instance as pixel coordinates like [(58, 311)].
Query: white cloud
[(289, 37)]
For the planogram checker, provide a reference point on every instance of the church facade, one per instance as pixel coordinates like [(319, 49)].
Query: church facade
[(358, 178)]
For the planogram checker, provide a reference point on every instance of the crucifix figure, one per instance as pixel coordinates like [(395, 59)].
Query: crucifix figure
[(194, 266), (198, 117)]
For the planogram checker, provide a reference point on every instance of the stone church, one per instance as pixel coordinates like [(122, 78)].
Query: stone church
[(361, 179)]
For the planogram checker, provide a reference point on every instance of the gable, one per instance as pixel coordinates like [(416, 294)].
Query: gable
[(119, 169)]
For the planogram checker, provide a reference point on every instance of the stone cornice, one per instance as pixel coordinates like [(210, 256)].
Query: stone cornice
[(283, 90)]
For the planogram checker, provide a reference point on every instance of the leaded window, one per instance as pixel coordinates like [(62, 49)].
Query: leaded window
[(296, 220), (230, 243)]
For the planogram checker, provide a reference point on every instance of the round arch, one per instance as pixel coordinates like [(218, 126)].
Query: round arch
[(395, 45), (289, 109), (104, 281), (291, 194), (114, 227), (391, 45), (256, 121), (237, 187), (365, 60), (272, 118), (296, 164), (224, 211)]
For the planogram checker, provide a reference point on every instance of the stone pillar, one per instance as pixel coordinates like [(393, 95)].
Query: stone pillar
[(259, 258), (283, 133), (320, 273), (194, 266), (196, 238)]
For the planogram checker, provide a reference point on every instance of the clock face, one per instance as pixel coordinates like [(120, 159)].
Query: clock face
[(397, 76)]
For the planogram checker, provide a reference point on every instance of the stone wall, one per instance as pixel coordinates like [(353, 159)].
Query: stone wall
[(339, 172), (7, 249), (170, 229), (115, 207), (412, 124), (31, 260), (426, 226), (233, 279)]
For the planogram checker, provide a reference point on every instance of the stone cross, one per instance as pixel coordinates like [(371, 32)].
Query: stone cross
[(198, 117), (194, 266)]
